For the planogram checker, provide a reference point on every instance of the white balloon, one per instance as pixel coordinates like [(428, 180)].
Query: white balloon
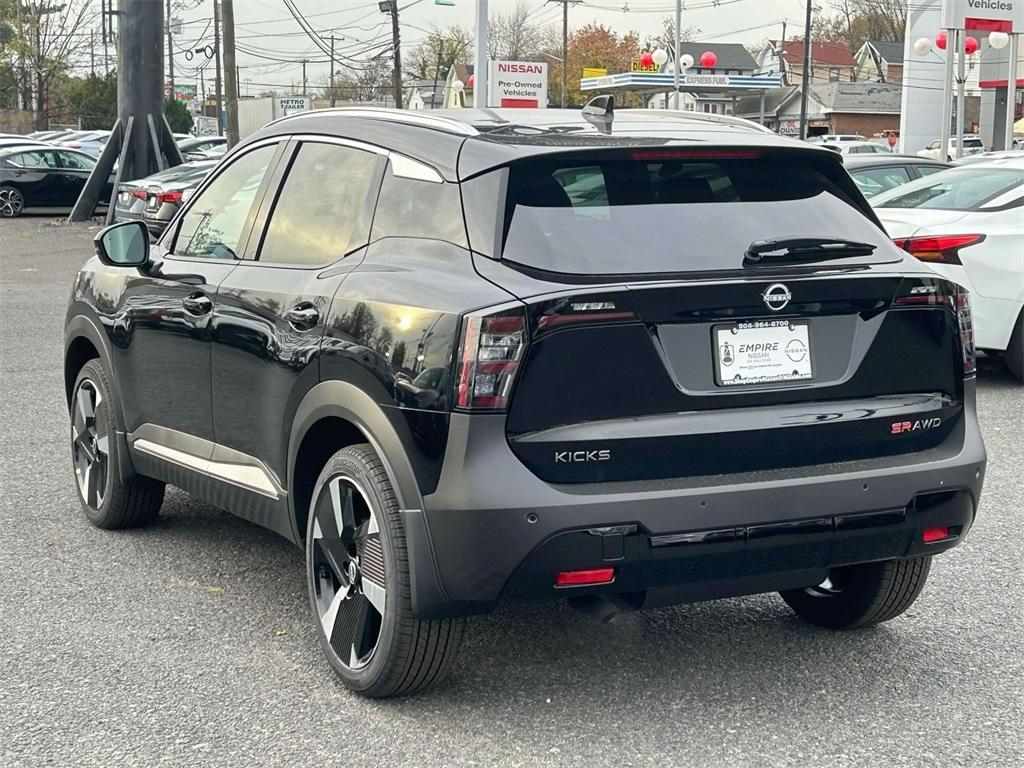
[(660, 56), (922, 46), (998, 40), (458, 85), (686, 61)]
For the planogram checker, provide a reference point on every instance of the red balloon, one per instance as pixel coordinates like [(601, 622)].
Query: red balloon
[(708, 60), (971, 45), (646, 59), (472, 79), (940, 40)]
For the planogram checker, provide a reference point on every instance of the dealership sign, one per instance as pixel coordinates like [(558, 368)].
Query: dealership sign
[(519, 84), (984, 15)]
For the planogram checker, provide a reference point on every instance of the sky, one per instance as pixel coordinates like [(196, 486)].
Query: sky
[(266, 31)]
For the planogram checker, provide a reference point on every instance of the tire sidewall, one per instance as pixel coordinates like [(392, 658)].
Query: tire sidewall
[(94, 374), (381, 665)]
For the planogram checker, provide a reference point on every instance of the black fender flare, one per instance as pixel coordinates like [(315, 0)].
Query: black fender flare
[(82, 326), (343, 400)]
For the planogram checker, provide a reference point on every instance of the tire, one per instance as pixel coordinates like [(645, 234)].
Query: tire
[(861, 595), (12, 202), (359, 588), (107, 500), (1014, 355)]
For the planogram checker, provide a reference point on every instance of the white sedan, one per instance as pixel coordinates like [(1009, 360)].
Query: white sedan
[(968, 224)]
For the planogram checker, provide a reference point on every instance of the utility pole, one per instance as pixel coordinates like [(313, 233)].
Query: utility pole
[(333, 100), (678, 42), (216, 54), (565, 45), (170, 49), (304, 77), (92, 54), (230, 70), (391, 6), (805, 78)]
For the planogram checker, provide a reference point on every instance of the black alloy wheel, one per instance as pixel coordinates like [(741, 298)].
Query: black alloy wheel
[(90, 442), (347, 563)]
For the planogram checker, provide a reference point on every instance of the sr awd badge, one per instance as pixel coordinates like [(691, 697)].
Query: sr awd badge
[(776, 296)]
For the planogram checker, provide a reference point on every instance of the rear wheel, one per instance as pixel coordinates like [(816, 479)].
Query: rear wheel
[(359, 587), (12, 202), (861, 595), (107, 500)]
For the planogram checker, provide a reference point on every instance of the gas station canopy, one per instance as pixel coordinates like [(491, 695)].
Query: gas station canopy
[(659, 81)]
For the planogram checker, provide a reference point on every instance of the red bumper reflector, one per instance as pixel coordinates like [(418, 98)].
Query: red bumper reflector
[(581, 578), (935, 534)]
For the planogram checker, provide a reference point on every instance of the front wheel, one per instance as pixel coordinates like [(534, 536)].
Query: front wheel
[(107, 500), (359, 588), (861, 595)]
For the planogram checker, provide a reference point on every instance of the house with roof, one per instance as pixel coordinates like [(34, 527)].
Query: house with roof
[(831, 62), (844, 107), (880, 61)]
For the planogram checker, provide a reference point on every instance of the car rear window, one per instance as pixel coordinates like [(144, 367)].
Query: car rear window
[(672, 211), (957, 189)]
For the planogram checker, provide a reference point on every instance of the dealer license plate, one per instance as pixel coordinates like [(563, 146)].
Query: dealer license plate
[(762, 352)]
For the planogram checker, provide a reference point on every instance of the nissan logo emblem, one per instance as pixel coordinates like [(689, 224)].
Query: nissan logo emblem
[(776, 296)]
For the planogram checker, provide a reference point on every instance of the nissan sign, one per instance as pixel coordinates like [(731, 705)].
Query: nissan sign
[(519, 84)]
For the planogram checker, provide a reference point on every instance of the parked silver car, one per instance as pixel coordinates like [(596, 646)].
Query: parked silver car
[(155, 199)]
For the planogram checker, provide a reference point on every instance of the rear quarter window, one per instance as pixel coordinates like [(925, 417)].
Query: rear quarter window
[(417, 208)]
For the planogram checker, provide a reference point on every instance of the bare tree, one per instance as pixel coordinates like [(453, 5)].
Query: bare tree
[(432, 58), (512, 35), (50, 35)]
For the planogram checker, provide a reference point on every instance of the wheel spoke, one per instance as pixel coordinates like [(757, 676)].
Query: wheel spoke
[(344, 510), (375, 593), (353, 637), (86, 410), (337, 557), (329, 618)]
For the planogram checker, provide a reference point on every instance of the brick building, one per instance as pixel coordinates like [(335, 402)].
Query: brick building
[(860, 108)]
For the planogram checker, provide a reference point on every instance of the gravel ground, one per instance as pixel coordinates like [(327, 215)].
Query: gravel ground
[(188, 642)]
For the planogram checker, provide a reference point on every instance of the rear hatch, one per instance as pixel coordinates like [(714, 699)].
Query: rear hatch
[(657, 349)]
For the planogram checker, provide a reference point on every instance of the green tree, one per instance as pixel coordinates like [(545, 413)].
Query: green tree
[(177, 116), (91, 101)]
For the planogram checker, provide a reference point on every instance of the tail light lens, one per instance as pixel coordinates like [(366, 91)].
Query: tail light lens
[(940, 249), (169, 197), (963, 316), (492, 349), (141, 194)]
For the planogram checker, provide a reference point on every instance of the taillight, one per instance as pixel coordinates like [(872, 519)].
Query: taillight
[(966, 322), (492, 349), (938, 249), (169, 197), (141, 194)]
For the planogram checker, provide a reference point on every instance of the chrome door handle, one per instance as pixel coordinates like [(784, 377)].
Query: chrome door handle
[(197, 304), (302, 317)]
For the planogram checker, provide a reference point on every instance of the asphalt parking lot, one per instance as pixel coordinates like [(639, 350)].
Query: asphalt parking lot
[(189, 643)]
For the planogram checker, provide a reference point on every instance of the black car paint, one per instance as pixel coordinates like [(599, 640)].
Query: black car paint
[(50, 187), (242, 377)]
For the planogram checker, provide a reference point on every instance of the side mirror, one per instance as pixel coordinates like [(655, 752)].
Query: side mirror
[(123, 245)]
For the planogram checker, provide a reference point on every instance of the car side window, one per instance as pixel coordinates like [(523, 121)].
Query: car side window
[(213, 226), (77, 162), (871, 181), (35, 160), (928, 170), (323, 210)]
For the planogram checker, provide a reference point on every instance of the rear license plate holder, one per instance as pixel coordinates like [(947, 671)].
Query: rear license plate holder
[(762, 353)]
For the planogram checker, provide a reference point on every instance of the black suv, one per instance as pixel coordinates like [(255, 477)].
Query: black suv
[(632, 359)]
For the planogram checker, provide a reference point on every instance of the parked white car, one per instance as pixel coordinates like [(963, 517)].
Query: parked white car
[(973, 145), (858, 147), (967, 223)]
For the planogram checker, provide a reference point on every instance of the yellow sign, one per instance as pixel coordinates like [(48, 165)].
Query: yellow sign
[(594, 71), (638, 67)]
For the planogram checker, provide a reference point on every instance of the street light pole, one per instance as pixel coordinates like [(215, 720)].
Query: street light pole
[(480, 57), (1011, 89), (805, 78)]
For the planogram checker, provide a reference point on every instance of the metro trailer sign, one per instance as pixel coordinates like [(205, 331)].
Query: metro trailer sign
[(984, 15), (519, 84)]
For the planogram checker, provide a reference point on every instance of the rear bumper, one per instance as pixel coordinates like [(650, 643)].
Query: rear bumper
[(494, 528)]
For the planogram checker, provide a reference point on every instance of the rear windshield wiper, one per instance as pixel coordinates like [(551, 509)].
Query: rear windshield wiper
[(799, 250)]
